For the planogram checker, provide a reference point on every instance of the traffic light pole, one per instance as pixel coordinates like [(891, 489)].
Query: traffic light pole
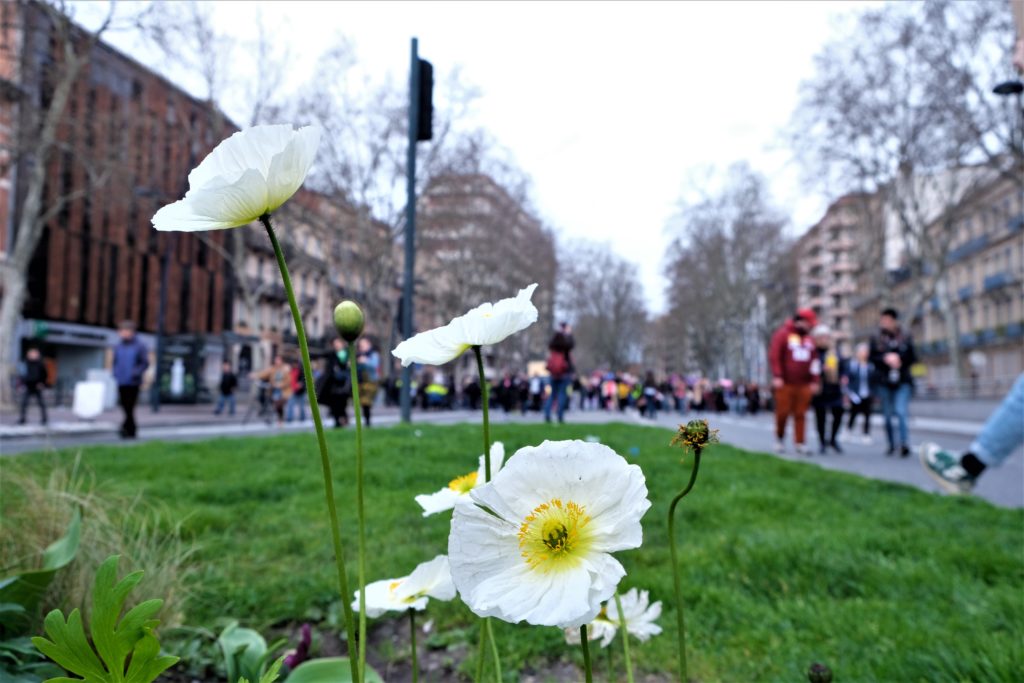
[(410, 224)]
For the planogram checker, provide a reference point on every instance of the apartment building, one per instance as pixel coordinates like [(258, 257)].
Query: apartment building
[(832, 256), (478, 243)]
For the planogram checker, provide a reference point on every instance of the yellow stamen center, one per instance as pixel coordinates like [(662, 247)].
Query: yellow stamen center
[(463, 484), (554, 535)]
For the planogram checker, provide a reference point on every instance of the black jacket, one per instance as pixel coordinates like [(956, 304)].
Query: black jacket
[(892, 342), (34, 377)]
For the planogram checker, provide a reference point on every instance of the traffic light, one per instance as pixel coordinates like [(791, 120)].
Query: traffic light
[(425, 116)]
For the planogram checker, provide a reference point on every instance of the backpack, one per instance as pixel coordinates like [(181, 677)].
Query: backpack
[(558, 364)]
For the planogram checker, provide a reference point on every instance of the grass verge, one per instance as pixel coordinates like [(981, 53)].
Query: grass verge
[(784, 563)]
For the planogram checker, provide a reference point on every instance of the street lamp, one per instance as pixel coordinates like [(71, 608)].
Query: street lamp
[(1008, 89)]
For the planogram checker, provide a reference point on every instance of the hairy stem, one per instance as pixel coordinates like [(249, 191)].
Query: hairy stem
[(680, 624), (485, 397), (623, 626), (325, 460), (361, 517), (412, 640), (586, 654)]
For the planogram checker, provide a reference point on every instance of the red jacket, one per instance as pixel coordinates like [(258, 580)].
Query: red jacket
[(792, 355)]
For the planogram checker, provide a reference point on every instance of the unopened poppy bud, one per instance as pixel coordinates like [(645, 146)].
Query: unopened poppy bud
[(349, 320), (819, 673)]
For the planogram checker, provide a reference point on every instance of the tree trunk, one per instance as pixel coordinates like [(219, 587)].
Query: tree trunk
[(10, 312), (949, 317)]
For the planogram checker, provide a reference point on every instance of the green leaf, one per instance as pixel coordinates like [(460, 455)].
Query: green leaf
[(328, 670), (244, 651), (27, 589), (114, 641)]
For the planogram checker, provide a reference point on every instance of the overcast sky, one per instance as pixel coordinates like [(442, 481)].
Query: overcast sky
[(615, 110)]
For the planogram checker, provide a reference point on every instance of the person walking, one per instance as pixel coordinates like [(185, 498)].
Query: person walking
[(367, 369), (858, 376), (829, 398), (228, 384), (560, 366), (791, 356), (892, 353), (1002, 434), (335, 386), (296, 406), (279, 376), (32, 379), (131, 358)]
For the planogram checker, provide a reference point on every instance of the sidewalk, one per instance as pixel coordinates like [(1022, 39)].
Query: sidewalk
[(961, 417)]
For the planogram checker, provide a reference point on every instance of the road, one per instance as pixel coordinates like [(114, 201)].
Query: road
[(1003, 486)]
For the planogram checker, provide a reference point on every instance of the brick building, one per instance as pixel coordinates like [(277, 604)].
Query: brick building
[(126, 143)]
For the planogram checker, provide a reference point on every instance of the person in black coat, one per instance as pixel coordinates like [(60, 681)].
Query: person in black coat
[(335, 385), (32, 379), (829, 399), (893, 354)]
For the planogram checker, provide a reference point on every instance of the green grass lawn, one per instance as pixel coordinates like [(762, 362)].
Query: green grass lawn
[(785, 563)]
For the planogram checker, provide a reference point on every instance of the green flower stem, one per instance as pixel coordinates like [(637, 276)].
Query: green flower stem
[(357, 409), (480, 655), (494, 649), (487, 631), (586, 654), (485, 397), (325, 460), (412, 640), (675, 564), (623, 626)]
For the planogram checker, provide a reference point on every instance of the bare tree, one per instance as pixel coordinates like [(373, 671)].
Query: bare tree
[(600, 292), (37, 117), (900, 107), (728, 259)]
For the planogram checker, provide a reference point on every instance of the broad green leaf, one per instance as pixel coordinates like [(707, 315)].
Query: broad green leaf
[(328, 670), (114, 641), (27, 589), (243, 650)]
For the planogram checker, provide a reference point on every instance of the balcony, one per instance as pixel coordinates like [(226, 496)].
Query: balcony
[(843, 244), (818, 302), (998, 281), (967, 249), (1015, 223), (1015, 330), (968, 340), (965, 293), (845, 266), (841, 288)]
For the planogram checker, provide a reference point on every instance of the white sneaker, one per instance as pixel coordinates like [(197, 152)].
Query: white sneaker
[(866, 440), (780, 446), (801, 449)]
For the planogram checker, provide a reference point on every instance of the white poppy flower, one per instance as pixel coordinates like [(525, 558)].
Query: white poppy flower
[(251, 173), (431, 579), (485, 324), (640, 617), (535, 546), (458, 489), (599, 628), (639, 620)]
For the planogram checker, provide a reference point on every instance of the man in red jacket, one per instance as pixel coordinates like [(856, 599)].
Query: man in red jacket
[(794, 375)]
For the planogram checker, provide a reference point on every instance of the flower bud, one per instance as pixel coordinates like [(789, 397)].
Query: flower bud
[(349, 320), (819, 673)]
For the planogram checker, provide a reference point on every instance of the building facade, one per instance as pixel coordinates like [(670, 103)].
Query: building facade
[(831, 258), (478, 243), (125, 144), (984, 282)]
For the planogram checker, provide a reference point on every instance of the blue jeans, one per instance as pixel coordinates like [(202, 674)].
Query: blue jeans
[(296, 401), (896, 402), (558, 389), (1004, 430), (229, 400)]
